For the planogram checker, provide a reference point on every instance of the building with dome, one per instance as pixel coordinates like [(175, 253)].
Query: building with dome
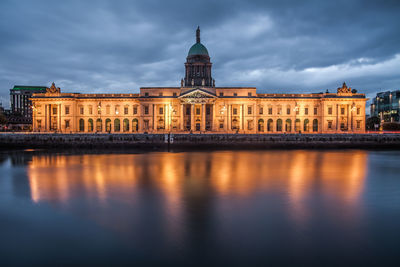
[(198, 106)]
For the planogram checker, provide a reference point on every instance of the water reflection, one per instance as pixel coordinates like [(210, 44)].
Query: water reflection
[(270, 205)]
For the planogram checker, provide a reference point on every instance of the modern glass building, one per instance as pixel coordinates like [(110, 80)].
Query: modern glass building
[(386, 106)]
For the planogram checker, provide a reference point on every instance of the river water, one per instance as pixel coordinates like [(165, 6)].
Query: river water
[(247, 208)]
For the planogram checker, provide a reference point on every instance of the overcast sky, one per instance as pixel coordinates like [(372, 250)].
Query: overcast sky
[(276, 46)]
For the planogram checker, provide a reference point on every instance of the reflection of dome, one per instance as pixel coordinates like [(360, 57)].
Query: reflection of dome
[(198, 49)]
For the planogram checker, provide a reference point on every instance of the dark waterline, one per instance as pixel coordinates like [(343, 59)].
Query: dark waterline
[(276, 207)]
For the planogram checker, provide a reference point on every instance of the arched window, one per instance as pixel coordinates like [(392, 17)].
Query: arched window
[(108, 125), (99, 125), (315, 125), (135, 125), (297, 126), (117, 125), (90, 125), (306, 125), (81, 125), (126, 125), (270, 125), (261, 125), (279, 125), (288, 125)]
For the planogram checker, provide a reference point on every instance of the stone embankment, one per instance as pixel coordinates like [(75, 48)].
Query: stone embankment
[(198, 141)]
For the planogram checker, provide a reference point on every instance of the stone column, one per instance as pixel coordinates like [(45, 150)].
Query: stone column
[(182, 112), (213, 123), (154, 117), (203, 117), (337, 117), (229, 118), (192, 128), (59, 118)]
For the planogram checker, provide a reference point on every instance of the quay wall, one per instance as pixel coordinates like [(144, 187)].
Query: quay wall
[(198, 141)]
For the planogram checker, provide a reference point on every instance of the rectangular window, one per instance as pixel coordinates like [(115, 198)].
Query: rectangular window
[(249, 110), (146, 110), (288, 111), (234, 94), (305, 111), (54, 111), (221, 125), (187, 110), (208, 111), (161, 111), (90, 110), (81, 110), (39, 123), (67, 110), (329, 110), (261, 110), (342, 111), (249, 93), (329, 124), (279, 111), (197, 111), (270, 111), (358, 124), (66, 124), (135, 110), (160, 94), (221, 94), (117, 110), (146, 94), (358, 111), (315, 111), (234, 111), (174, 94), (126, 110)]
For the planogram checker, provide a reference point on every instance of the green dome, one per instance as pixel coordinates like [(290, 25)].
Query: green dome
[(198, 49)]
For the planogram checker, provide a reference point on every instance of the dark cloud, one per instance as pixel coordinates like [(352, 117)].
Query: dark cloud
[(277, 46)]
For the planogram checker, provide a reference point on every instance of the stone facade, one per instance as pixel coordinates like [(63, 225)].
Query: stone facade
[(195, 107)]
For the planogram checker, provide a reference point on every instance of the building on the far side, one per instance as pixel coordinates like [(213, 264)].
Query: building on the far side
[(386, 106), (199, 106)]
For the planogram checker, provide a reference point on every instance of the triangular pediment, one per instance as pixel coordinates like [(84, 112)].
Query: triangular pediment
[(197, 93)]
